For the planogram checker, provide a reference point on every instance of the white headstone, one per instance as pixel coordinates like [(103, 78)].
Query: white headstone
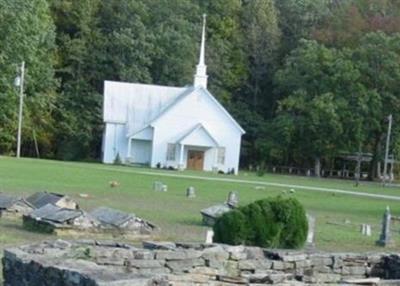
[(157, 186), (368, 230), (233, 199), (190, 192), (311, 229), (209, 236)]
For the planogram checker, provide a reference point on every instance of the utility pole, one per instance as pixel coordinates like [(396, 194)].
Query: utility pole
[(20, 82), (357, 175), (390, 118)]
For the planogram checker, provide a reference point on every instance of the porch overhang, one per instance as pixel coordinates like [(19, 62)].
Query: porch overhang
[(198, 136)]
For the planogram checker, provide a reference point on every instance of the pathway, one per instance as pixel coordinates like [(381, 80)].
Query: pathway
[(259, 183)]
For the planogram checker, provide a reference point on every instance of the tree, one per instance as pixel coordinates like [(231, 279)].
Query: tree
[(297, 20), (349, 21), (378, 59), (261, 41), (318, 84), (27, 34)]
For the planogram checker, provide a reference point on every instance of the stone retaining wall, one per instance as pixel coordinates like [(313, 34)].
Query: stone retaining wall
[(91, 263)]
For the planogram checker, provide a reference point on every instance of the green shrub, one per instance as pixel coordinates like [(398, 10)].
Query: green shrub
[(273, 222), (232, 228)]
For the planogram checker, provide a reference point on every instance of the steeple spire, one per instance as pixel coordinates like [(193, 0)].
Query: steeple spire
[(200, 78)]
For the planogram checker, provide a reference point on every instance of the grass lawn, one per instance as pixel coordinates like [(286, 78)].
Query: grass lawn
[(179, 217)]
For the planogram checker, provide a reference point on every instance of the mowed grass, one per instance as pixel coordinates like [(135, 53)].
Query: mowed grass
[(179, 217)]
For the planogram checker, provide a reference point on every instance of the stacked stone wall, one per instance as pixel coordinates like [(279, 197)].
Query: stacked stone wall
[(91, 263)]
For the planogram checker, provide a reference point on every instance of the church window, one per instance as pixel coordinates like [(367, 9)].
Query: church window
[(221, 155), (171, 151)]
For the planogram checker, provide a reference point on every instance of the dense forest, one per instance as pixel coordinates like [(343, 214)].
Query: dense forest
[(307, 79)]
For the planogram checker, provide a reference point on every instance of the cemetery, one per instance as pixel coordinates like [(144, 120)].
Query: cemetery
[(337, 234), (190, 143)]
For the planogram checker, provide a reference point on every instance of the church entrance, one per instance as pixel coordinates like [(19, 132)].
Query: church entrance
[(195, 160)]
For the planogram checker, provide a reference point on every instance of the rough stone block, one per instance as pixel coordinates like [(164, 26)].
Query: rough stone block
[(231, 268), (232, 279), (353, 270), (254, 264), (178, 266), (303, 264), (281, 265), (205, 271), (215, 253), (143, 254), (177, 254), (294, 257), (158, 245), (325, 260), (236, 252), (189, 278), (255, 253), (142, 263)]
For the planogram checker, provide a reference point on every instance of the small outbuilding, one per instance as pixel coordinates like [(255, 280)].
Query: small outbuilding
[(121, 222), (14, 206), (64, 221), (210, 214), (53, 219), (41, 199)]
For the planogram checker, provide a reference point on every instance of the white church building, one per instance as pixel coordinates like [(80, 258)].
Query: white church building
[(162, 126)]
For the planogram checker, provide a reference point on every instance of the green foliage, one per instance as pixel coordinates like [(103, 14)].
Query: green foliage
[(232, 228), (273, 222), (27, 33), (306, 79)]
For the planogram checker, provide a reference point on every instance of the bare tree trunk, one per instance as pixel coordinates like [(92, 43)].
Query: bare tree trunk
[(372, 172), (317, 167)]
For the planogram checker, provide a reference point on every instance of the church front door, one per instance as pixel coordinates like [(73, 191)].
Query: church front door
[(195, 160)]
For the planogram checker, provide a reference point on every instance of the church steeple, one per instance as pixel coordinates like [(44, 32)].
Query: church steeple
[(200, 78)]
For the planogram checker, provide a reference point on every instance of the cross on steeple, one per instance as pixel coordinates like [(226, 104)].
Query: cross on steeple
[(200, 78)]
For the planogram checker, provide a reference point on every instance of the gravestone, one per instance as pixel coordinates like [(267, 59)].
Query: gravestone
[(386, 239), (233, 199), (311, 230), (159, 187), (365, 229), (209, 236), (368, 231), (190, 192), (210, 214)]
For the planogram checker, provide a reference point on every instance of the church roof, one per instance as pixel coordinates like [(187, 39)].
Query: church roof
[(137, 104), (207, 93)]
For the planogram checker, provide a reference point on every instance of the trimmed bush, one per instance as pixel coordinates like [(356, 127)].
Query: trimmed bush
[(273, 222), (231, 229)]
